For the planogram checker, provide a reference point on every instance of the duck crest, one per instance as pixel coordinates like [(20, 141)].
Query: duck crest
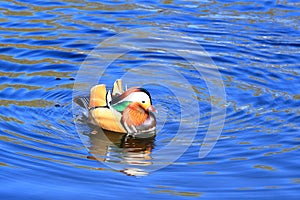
[(118, 98)]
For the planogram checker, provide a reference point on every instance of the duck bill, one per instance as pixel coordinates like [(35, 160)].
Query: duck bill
[(151, 109)]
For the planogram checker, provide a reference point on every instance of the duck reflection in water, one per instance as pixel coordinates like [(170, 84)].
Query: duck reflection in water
[(112, 147)]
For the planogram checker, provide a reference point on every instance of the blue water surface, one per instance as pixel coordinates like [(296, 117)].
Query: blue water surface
[(256, 48)]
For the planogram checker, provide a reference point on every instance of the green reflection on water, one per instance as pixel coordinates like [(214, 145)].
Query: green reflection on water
[(265, 167), (296, 97), (238, 159), (25, 61), (176, 193), (3, 164), (7, 119), (284, 150), (50, 73), (32, 103), (11, 74), (296, 180), (19, 86), (210, 173)]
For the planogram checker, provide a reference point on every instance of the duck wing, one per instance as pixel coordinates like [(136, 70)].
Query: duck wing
[(98, 96)]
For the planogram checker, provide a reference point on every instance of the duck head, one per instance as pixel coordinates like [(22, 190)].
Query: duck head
[(137, 110)]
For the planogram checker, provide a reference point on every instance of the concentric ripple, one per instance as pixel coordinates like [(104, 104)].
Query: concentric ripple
[(256, 48)]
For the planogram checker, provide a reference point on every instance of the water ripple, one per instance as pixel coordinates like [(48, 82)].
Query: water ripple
[(254, 44)]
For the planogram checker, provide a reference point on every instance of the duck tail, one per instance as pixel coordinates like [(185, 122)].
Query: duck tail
[(82, 102), (98, 96)]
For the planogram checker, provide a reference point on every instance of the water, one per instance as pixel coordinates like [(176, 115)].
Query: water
[(256, 48)]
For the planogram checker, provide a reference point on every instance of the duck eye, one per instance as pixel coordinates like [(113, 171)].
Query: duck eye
[(143, 101)]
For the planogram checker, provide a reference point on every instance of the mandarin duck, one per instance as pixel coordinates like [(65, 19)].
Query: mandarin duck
[(129, 111)]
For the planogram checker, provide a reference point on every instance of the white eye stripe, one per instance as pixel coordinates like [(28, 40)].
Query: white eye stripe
[(137, 96)]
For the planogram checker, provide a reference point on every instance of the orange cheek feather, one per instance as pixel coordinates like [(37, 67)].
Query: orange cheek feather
[(134, 114)]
